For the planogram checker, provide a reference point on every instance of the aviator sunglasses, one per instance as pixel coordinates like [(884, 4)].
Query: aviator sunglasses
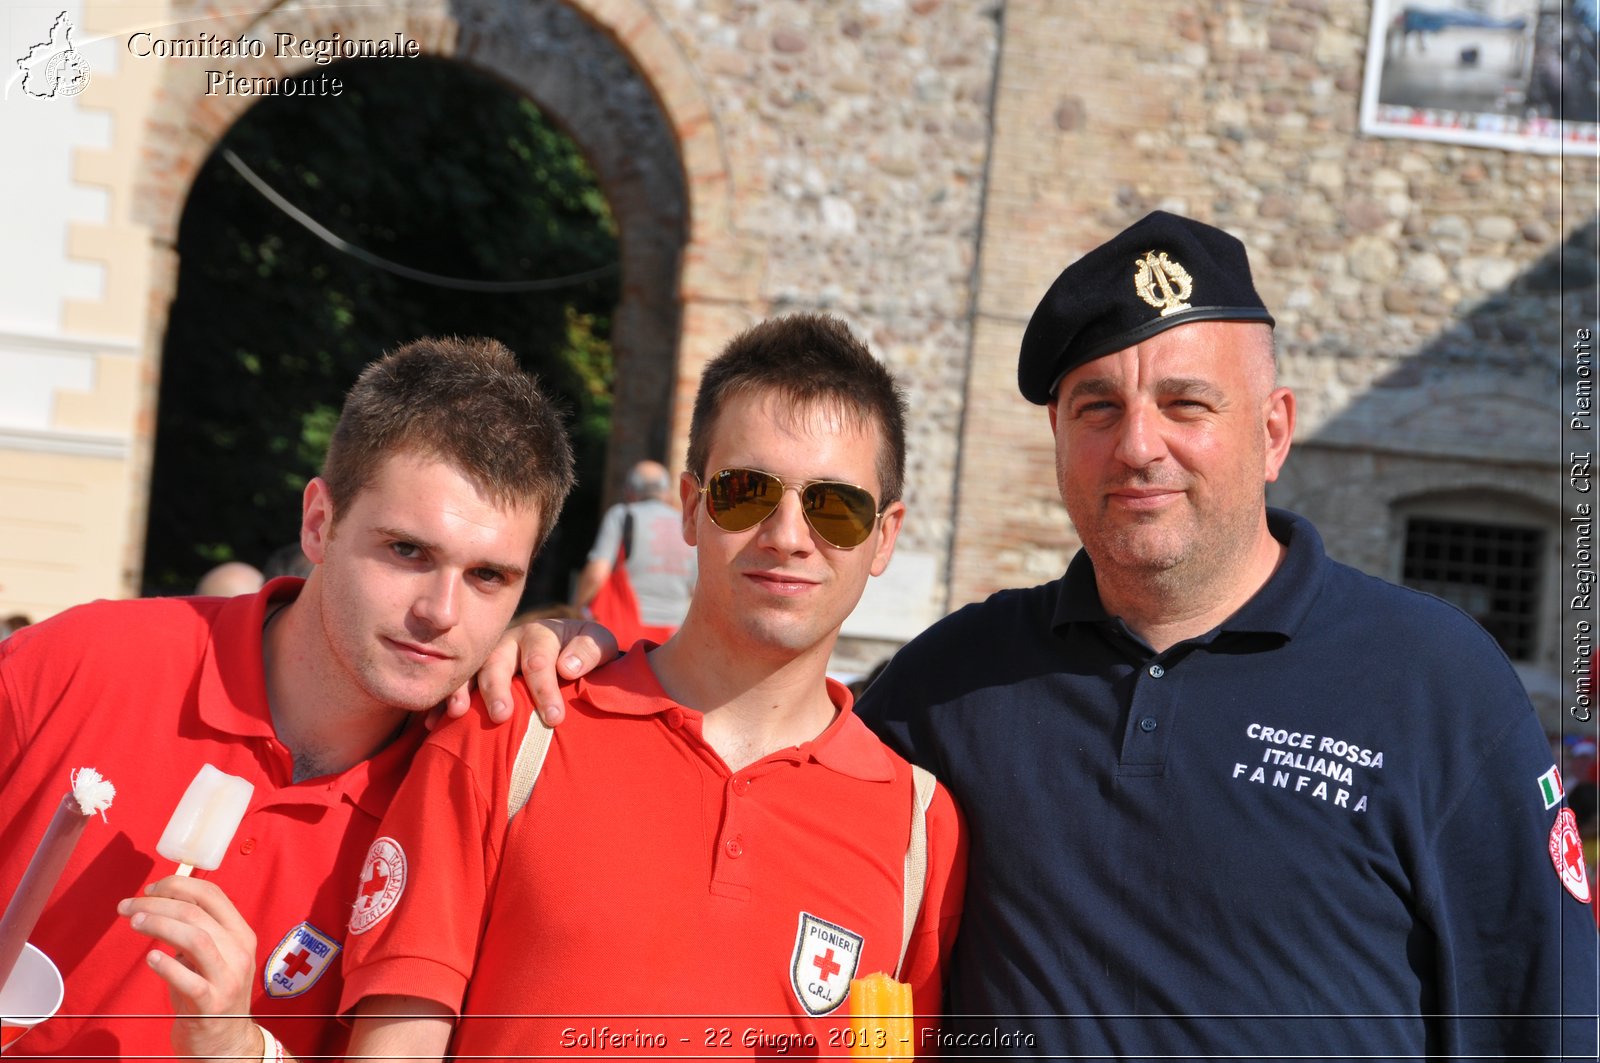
[(842, 514)]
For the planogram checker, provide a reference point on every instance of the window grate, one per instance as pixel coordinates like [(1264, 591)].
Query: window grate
[(1491, 571)]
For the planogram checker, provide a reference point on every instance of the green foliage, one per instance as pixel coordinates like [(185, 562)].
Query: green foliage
[(421, 162)]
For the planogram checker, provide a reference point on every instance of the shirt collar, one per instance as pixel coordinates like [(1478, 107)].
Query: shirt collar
[(1281, 606), (1278, 608), (233, 685), (628, 687)]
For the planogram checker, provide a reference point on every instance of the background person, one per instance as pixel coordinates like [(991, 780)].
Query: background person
[(229, 579), (639, 553), (287, 560)]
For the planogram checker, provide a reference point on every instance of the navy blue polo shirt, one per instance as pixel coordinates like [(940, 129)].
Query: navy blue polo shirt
[(1319, 829)]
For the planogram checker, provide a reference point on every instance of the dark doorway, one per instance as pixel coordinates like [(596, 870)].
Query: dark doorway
[(419, 166)]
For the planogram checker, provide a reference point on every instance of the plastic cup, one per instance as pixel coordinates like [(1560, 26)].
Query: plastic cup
[(30, 996)]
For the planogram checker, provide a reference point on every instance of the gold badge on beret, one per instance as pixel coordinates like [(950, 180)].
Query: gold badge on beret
[(1157, 271)]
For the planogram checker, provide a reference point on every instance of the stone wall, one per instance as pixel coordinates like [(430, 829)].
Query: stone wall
[(856, 135), (1418, 286)]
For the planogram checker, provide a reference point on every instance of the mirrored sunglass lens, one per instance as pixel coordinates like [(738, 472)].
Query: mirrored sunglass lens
[(741, 498), (841, 514)]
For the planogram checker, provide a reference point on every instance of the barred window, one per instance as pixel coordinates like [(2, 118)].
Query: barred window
[(1491, 571)]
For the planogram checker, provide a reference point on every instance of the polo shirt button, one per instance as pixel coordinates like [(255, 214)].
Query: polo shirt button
[(1147, 724), (674, 717), (247, 847), (735, 850), (1156, 671), (741, 787)]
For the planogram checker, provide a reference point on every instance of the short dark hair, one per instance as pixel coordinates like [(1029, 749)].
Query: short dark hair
[(808, 360), (463, 401)]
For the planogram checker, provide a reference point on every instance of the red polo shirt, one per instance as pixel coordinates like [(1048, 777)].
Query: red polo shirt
[(146, 692), (648, 901)]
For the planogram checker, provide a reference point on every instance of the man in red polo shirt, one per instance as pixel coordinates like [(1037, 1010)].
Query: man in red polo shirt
[(446, 471), (716, 844)]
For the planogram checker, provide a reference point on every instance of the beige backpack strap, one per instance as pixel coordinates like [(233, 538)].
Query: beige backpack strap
[(530, 761), (922, 785)]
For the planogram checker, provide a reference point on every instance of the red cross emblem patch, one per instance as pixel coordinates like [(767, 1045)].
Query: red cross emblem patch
[(383, 879), (1566, 852), (825, 959), (298, 961)]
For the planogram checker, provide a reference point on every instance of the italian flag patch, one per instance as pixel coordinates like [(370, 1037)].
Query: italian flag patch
[(1550, 787)]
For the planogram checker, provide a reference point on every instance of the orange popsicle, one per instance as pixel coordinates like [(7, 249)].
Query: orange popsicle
[(880, 1018)]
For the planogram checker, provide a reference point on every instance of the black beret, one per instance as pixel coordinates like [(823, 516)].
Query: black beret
[(1161, 272)]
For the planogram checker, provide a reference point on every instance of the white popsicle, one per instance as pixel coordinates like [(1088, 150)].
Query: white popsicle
[(203, 823)]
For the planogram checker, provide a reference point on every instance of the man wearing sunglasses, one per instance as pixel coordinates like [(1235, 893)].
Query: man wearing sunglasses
[(715, 845)]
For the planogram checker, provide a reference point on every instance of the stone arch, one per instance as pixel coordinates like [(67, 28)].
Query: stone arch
[(612, 77)]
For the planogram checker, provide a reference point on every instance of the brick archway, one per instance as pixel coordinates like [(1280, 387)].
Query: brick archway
[(611, 76)]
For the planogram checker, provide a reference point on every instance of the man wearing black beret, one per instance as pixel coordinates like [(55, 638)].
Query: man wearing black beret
[(1228, 797)]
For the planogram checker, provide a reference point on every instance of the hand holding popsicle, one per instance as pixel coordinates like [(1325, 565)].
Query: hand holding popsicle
[(211, 972)]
